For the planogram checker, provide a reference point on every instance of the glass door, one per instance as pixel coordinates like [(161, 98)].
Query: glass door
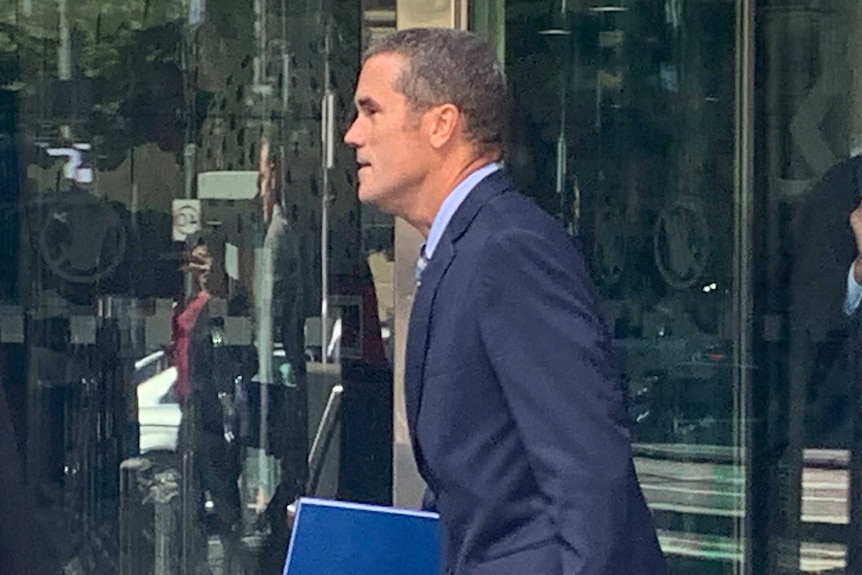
[(625, 128), (808, 146)]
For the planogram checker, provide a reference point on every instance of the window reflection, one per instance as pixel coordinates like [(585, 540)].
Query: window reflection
[(150, 153)]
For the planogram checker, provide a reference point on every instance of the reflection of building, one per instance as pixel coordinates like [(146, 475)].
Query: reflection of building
[(680, 140)]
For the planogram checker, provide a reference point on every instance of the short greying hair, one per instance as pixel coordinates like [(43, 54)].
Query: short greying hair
[(447, 66)]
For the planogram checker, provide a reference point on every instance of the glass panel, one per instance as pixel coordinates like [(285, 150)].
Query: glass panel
[(808, 137), (195, 315), (624, 130)]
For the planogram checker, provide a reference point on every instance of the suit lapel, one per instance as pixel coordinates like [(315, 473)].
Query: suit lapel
[(426, 292), (420, 323)]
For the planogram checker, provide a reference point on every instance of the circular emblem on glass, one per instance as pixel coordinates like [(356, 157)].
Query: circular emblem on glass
[(681, 243), (82, 239), (609, 249)]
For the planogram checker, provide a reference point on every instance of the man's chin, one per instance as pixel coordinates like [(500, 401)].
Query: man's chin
[(368, 197), (381, 200)]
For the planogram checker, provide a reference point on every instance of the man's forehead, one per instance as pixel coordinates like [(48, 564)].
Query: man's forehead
[(380, 72)]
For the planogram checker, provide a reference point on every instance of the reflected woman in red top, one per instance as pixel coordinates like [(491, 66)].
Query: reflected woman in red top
[(204, 387), (200, 265)]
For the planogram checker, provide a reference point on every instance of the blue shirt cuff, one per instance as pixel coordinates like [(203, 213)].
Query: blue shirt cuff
[(854, 293)]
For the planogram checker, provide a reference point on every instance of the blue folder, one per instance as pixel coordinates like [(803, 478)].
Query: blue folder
[(340, 538)]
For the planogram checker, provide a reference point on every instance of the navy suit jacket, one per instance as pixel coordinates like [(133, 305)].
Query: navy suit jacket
[(516, 417)]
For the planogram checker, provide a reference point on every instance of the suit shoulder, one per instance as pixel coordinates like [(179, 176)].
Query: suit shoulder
[(512, 211)]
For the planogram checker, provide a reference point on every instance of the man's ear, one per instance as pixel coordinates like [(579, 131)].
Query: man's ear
[(444, 123)]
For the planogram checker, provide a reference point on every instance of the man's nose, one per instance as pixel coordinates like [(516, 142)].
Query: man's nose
[(351, 137)]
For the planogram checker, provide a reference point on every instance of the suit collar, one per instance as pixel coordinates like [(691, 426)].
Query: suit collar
[(493, 185), (452, 202)]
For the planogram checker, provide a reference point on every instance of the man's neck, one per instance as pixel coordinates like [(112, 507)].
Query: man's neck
[(436, 191)]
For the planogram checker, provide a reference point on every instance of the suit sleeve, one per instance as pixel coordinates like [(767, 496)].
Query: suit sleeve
[(551, 354), (429, 501), (822, 252)]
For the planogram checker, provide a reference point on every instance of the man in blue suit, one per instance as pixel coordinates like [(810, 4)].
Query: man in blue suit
[(516, 417)]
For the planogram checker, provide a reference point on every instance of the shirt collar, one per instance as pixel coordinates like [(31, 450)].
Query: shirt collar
[(451, 204)]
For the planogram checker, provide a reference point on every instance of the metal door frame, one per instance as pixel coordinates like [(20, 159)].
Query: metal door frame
[(743, 251)]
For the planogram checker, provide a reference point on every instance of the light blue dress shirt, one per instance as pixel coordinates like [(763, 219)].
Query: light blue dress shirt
[(451, 204), (854, 293)]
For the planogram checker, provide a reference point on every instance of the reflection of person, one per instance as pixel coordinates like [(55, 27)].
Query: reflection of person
[(279, 293), (821, 301), (517, 421), (280, 319), (205, 388), (854, 276), (824, 332)]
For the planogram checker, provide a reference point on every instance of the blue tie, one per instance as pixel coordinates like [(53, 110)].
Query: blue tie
[(421, 264)]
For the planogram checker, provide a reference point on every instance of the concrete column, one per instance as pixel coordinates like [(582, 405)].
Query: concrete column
[(407, 485)]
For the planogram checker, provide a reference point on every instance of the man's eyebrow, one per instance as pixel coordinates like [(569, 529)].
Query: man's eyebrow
[(367, 102)]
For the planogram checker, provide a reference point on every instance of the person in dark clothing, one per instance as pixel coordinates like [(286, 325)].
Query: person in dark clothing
[(205, 387), (516, 416), (279, 319), (820, 406), (820, 311)]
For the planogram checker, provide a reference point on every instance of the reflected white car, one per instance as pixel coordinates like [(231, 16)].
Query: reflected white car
[(159, 412)]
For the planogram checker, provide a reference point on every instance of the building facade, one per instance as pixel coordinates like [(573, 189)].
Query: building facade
[(199, 322)]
